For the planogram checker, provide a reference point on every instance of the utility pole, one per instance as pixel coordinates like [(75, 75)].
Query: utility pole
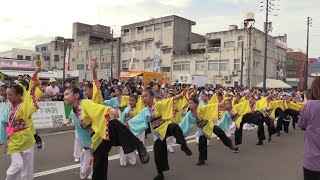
[(265, 48), (111, 66), (269, 7), (309, 23), (241, 65)]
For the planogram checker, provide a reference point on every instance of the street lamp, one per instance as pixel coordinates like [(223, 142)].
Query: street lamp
[(68, 41)]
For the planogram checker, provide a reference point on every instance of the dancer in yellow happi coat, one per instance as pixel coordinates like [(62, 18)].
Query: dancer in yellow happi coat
[(15, 133), (101, 120), (158, 115), (253, 112), (199, 115)]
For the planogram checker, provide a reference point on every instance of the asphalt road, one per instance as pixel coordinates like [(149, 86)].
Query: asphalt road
[(280, 159)]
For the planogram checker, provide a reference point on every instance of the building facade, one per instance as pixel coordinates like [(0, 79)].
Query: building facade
[(21, 54), (150, 45), (295, 68), (221, 60), (96, 40)]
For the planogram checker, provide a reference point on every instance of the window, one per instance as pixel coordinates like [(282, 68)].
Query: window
[(83, 54), (224, 65), (19, 57), (103, 66), (124, 48), (125, 64), (126, 32), (147, 64), (240, 41), (157, 27), (200, 65), (181, 66), (166, 51), (80, 66), (56, 58), (139, 46), (289, 62), (292, 72), (139, 30), (44, 58), (135, 65), (97, 52), (44, 48), (213, 65), (149, 28), (79, 43), (165, 69), (73, 59), (237, 65), (28, 57), (229, 44), (90, 53), (148, 45), (158, 45), (37, 49), (168, 24)]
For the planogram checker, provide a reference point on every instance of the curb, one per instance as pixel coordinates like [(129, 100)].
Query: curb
[(56, 129)]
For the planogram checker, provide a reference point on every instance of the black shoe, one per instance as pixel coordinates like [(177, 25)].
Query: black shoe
[(40, 145), (201, 162), (269, 139), (278, 134), (186, 149), (235, 149), (159, 177), (143, 154), (259, 143)]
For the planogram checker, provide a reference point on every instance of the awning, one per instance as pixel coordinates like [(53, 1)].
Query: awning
[(274, 84), (129, 74), (292, 83), (42, 75)]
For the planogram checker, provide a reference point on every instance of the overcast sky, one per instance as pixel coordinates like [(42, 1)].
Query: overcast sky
[(23, 24)]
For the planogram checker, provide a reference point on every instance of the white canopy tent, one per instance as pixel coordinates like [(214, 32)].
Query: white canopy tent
[(274, 84)]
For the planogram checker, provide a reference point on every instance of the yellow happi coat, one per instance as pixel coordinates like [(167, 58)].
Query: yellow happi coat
[(22, 140)]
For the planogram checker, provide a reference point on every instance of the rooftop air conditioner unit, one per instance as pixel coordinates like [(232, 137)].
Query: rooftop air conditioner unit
[(227, 79)]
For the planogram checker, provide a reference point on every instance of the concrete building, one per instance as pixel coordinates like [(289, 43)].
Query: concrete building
[(150, 45), (52, 55), (21, 54), (295, 68), (44, 49), (221, 60), (96, 41)]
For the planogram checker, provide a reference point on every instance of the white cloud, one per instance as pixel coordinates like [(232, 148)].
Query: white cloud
[(41, 20)]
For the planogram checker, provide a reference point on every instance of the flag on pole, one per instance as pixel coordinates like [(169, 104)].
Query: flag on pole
[(66, 66), (312, 60)]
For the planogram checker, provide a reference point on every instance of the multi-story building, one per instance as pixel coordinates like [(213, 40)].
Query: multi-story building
[(295, 68), (221, 60), (96, 40), (150, 45), (52, 55), (21, 54)]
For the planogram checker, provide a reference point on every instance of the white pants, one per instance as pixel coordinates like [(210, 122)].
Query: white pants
[(124, 158), (131, 157), (170, 142), (22, 165), (77, 146), (231, 129), (246, 127), (85, 161), (198, 137)]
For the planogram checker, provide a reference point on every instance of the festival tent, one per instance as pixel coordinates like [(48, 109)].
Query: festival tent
[(274, 84)]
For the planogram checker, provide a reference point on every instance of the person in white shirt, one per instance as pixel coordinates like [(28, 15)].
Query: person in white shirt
[(52, 90)]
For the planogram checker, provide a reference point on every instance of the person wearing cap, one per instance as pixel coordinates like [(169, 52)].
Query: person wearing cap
[(53, 91)]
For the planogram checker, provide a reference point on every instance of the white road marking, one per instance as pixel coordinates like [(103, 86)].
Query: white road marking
[(114, 157)]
